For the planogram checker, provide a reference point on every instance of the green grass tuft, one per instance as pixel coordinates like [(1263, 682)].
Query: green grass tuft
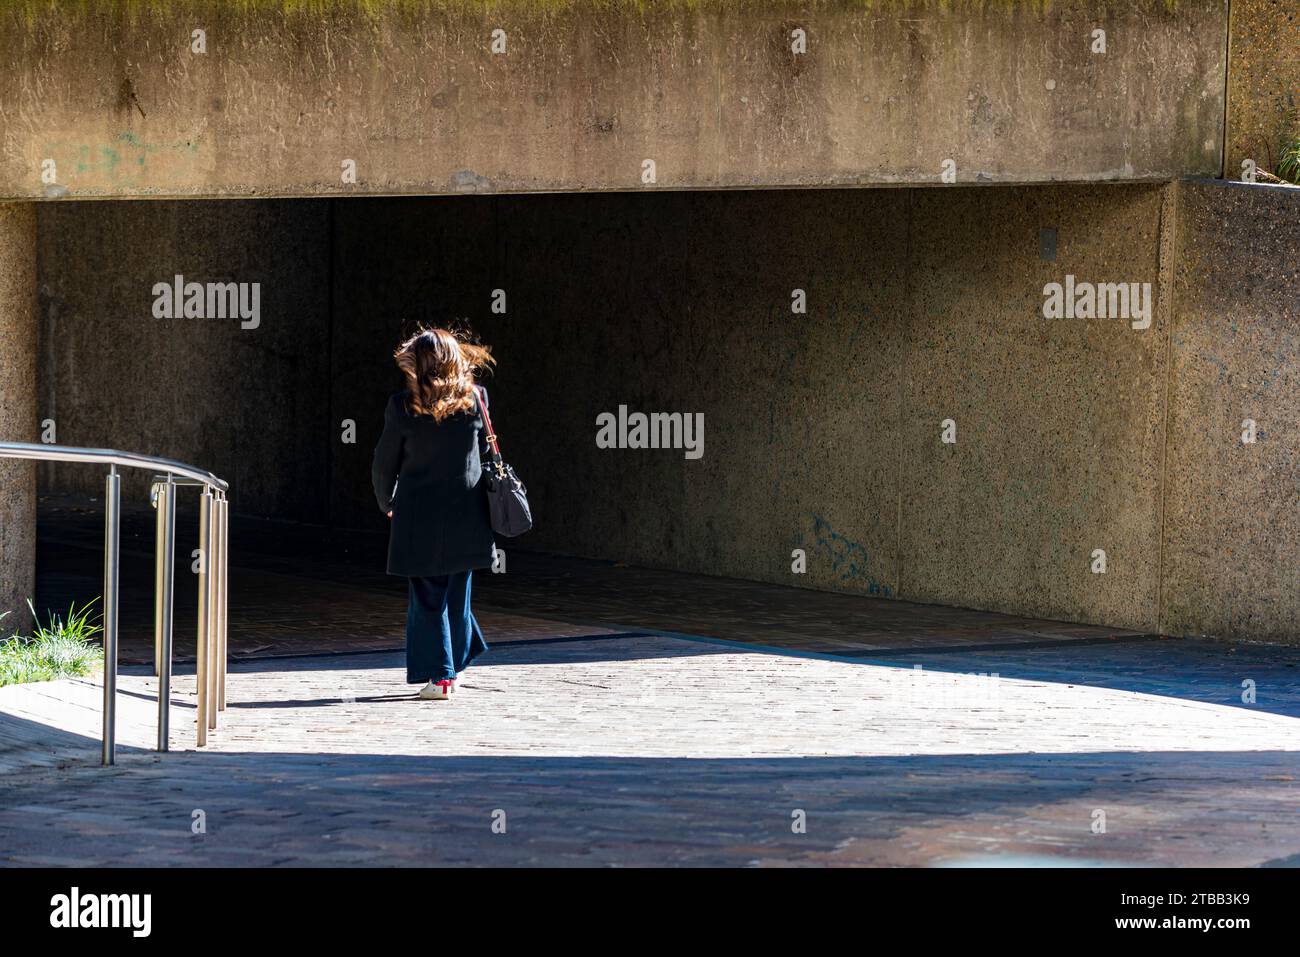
[(1288, 166), (62, 647)]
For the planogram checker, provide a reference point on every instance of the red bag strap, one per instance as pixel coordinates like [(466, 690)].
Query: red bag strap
[(487, 420)]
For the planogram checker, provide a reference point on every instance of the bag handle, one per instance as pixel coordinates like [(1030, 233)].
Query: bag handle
[(487, 420)]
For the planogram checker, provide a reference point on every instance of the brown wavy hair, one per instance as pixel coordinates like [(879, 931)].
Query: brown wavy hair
[(440, 368)]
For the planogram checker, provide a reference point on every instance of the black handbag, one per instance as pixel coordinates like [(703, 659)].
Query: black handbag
[(507, 497)]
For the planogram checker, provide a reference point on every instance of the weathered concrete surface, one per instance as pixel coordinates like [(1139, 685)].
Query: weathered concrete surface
[(810, 399), (1058, 421), (1263, 82), (18, 327), (588, 90), (245, 403), (1232, 513)]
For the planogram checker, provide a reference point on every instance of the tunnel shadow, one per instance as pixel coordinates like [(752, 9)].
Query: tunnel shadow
[(286, 808), (26, 744)]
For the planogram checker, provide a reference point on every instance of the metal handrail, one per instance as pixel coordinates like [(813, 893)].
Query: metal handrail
[(132, 460), (214, 524)]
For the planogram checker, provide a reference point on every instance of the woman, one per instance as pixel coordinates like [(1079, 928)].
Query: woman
[(427, 475)]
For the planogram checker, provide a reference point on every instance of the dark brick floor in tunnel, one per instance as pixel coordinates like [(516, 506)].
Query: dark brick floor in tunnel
[(297, 588)]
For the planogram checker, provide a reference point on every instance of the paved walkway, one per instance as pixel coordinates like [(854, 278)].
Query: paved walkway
[(600, 737), (645, 749)]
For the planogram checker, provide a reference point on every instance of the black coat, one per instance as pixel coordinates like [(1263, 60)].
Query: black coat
[(440, 518)]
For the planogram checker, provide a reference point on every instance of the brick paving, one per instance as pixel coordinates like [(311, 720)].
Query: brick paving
[(655, 750), (605, 739)]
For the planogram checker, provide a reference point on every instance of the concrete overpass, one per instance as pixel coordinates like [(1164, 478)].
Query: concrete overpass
[(273, 98)]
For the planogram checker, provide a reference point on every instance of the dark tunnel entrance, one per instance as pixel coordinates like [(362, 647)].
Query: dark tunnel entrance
[(819, 339)]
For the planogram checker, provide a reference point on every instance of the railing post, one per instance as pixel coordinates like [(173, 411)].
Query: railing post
[(155, 493), (112, 515), (167, 569), (214, 613), (201, 655), (223, 628)]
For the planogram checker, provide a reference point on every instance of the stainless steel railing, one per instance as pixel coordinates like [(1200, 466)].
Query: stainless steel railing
[(210, 667), (214, 522)]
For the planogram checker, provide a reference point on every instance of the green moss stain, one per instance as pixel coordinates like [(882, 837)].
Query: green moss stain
[(121, 160), (33, 9), (109, 160)]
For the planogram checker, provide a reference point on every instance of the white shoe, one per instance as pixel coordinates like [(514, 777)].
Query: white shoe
[(437, 690)]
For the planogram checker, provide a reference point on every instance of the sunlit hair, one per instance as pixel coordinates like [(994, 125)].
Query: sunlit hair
[(440, 367)]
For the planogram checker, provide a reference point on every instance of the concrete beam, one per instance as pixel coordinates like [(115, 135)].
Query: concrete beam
[(268, 98)]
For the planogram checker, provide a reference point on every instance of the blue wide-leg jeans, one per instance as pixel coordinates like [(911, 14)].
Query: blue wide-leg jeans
[(442, 636)]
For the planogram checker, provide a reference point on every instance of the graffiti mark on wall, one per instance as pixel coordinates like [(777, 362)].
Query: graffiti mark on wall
[(848, 559), (120, 161)]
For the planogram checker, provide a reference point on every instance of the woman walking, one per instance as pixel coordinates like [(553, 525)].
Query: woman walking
[(427, 474)]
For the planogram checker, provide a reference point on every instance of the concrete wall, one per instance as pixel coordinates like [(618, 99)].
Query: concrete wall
[(1058, 421), (114, 94), (822, 430), (18, 325), (250, 405), (1232, 519), (1263, 82)]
